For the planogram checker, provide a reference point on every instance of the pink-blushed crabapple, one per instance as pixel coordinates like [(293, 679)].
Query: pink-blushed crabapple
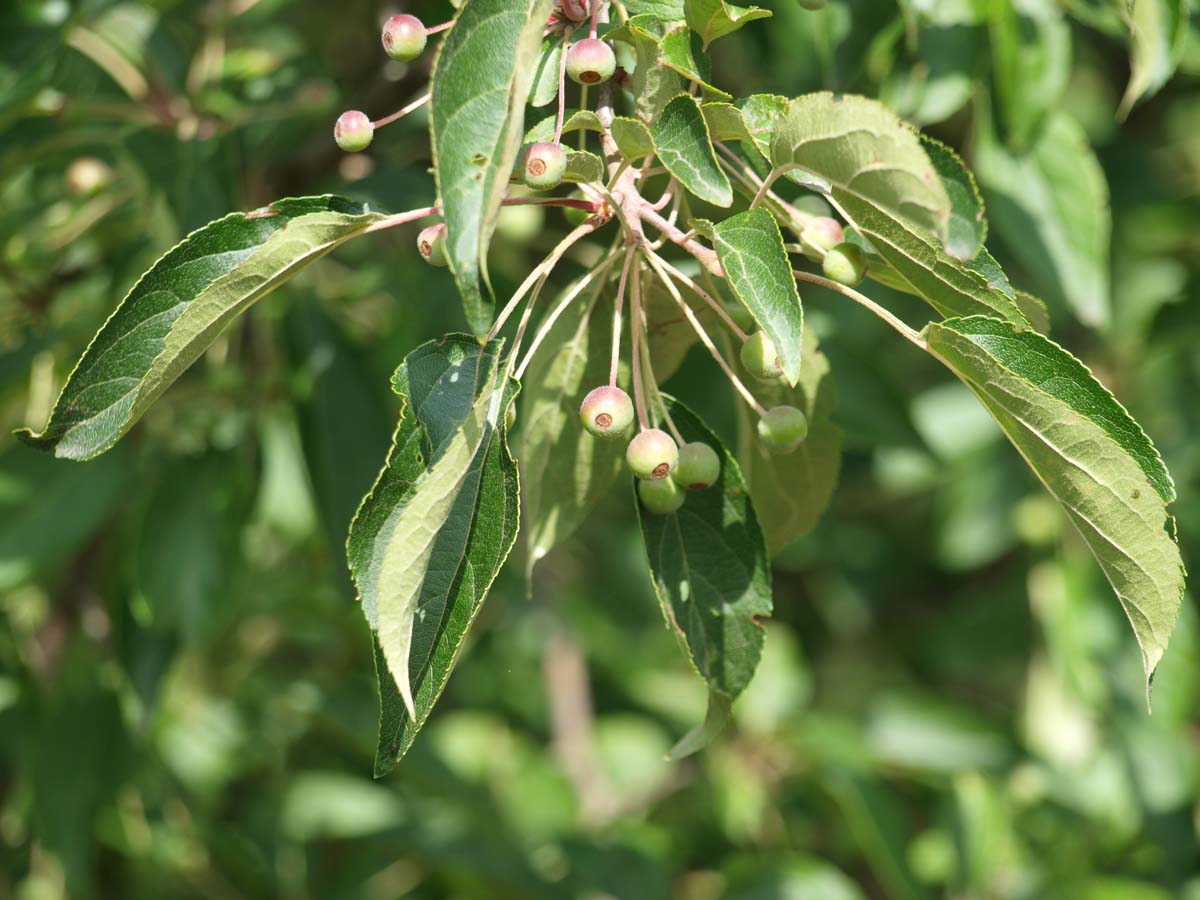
[(431, 244), (846, 264), (574, 10), (652, 454), (760, 357), (783, 429), (661, 496), (591, 61), (544, 165), (606, 412), (404, 37), (823, 232), (353, 131), (699, 466)]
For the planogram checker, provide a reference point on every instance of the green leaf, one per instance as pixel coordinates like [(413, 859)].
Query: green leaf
[(654, 84), (859, 146), (576, 120), (1050, 207), (574, 469), (683, 145), (663, 10), (725, 122), (632, 137), (545, 75), (762, 114), (1031, 56), (716, 720), (951, 287), (756, 266), (433, 532), (1090, 454), (179, 307), (481, 81), (1158, 33), (968, 228), (682, 51), (711, 19), (791, 491), (708, 562)]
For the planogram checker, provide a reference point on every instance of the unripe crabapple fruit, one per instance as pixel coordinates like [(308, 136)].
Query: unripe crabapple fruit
[(353, 131), (783, 429), (431, 244), (544, 166), (661, 496), (823, 232), (404, 37), (591, 61), (760, 358), (699, 466), (846, 264), (652, 454), (606, 412)]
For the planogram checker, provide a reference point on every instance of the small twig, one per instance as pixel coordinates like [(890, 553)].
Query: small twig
[(635, 328), (907, 333), (540, 270), (401, 113), (449, 23), (562, 88), (716, 305), (617, 309), (652, 383), (704, 338), (706, 256)]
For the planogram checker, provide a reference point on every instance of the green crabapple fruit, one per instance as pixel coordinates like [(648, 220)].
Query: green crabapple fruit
[(544, 166), (591, 61), (404, 37), (699, 466), (846, 264), (783, 429), (431, 244), (353, 131), (823, 232), (652, 454), (606, 412), (760, 358), (662, 496)]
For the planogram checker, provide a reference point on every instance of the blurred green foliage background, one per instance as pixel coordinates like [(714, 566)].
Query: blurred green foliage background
[(950, 704)]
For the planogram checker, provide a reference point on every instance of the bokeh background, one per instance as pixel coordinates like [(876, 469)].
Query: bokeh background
[(951, 702)]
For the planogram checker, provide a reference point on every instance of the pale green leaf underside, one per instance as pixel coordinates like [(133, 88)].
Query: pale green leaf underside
[(177, 309), (1088, 452), (711, 19), (433, 532), (481, 81), (756, 266), (948, 285), (632, 137), (683, 145), (709, 566), (1158, 33), (860, 146)]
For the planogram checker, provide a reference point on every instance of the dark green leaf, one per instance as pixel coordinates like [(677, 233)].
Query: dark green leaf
[(683, 145), (711, 19), (968, 227)]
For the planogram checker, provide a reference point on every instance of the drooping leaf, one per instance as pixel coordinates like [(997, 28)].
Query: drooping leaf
[(1090, 454), (575, 120), (1158, 33), (716, 719), (1031, 55), (546, 72), (949, 286), (683, 145), (708, 563), (968, 226), (682, 51), (762, 114), (791, 491), (711, 19), (481, 81), (756, 266), (574, 469), (179, 307), (433, 532), (1050, 207), (859, 146)]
